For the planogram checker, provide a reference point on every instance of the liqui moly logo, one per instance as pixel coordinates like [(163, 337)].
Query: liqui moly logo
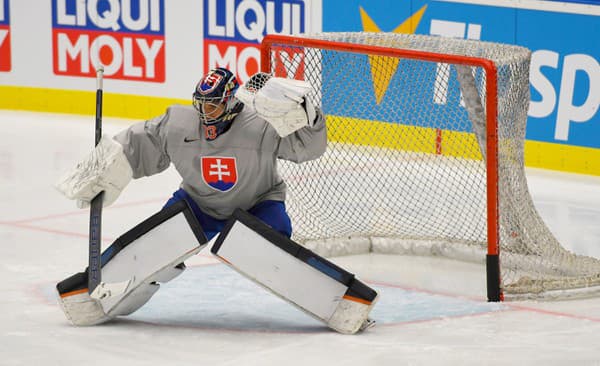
[(233, 30), (127, 37), (5, 55), (219, 172)]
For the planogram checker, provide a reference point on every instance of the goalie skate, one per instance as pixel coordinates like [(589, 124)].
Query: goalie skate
[(368, 323)]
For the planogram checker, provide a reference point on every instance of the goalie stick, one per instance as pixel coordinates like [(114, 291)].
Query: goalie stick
[(95, 248)]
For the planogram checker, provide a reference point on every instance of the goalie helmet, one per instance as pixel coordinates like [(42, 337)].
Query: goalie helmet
[(214, 99)]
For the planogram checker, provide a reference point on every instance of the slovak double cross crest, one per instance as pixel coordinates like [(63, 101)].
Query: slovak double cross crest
[(219, 172)]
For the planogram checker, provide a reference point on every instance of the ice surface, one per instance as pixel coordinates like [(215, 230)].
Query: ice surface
[(432, 311)]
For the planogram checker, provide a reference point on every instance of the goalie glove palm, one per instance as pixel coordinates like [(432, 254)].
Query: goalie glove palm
[(284, 103), (106, 169)]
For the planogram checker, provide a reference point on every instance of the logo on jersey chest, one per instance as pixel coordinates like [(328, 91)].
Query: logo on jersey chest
[(219, 172)]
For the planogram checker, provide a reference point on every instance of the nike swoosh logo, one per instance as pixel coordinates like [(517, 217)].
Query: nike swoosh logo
[(189, 140)]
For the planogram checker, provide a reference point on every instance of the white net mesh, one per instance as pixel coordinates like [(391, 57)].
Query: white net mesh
[(405, 168)]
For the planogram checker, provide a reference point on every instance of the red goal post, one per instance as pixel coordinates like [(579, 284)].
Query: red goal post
[(402, 69)]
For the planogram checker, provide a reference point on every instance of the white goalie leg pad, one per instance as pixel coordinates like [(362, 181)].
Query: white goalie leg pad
[(135, 299), (294, 273), (81, 309), (151, 253)]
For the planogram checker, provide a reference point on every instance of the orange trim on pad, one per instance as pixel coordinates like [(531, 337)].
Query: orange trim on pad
[(76, 292), (356, 299)]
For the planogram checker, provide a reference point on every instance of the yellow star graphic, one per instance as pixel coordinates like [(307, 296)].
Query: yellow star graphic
[(381, 79)]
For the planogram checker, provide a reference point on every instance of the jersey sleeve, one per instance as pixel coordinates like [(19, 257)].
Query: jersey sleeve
[(145, 145), (306, 144)]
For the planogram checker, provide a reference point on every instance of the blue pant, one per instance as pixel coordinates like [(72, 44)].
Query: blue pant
[(270, 212)]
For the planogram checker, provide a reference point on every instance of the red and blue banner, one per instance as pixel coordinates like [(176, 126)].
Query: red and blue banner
[(127, 37), (233, 30), (5, 51)]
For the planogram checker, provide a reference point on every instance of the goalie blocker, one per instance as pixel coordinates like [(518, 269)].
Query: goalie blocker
[(133, 266), (294, 273)]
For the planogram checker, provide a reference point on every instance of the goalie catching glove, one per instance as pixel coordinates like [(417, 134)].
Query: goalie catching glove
[(284, 103), (106, 169)]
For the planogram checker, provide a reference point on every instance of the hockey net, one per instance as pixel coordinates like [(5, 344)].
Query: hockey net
[(425, 157)]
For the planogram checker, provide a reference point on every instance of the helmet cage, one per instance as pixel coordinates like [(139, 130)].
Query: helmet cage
[(216, 89), (207, 108)]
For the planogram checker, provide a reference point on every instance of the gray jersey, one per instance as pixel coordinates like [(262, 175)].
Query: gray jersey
[(236, 170)]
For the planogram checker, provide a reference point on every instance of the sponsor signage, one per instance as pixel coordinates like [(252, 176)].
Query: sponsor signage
[(233, 30), (564, 40), (5, 51), (127, 37)]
